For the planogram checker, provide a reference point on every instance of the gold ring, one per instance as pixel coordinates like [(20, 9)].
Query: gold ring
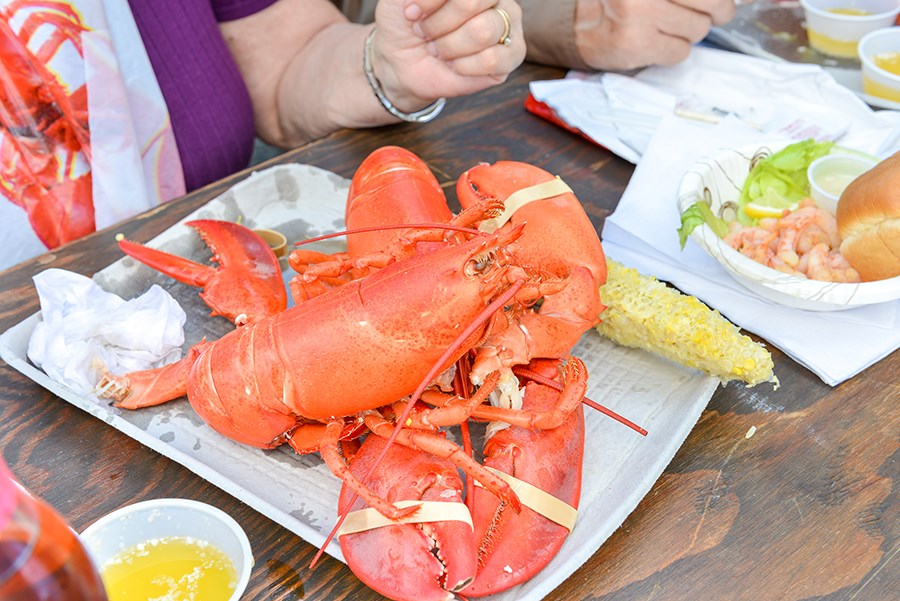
[(507, 25)]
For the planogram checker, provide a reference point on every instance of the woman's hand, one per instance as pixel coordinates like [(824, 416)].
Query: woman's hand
[(303, 62), (426, 49)]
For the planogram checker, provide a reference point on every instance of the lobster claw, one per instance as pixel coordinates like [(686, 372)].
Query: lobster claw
[(416, 561), (514, 546), (245, 288), (534, 196)]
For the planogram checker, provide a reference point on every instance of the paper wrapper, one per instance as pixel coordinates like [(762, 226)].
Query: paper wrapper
[(299, 492)]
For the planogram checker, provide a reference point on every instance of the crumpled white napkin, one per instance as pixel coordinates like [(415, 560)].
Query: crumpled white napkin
[(641, 233), (783, 100), (85, 330)]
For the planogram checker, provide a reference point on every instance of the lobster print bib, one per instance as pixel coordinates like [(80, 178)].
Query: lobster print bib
[(85, 136)]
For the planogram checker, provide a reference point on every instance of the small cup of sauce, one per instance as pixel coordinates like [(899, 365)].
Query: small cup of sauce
[(170, 549), (879, 54), (831, 174), (276, 240), (835, 27)]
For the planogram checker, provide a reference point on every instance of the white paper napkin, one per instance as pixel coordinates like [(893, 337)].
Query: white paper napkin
[(86, 332), (782, 100), (642, 233)]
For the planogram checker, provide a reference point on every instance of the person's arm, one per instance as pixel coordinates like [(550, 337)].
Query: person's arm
[(549, 33), (618, 34), (303, 62)]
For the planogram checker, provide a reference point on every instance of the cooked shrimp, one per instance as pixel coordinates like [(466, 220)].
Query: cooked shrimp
[(828, 265), (803, 242), (753, 242)]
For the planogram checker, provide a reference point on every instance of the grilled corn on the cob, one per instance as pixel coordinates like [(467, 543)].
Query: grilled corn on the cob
[(642, 312)]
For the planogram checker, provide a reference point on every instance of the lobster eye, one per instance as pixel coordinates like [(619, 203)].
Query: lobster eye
[(477, 265)]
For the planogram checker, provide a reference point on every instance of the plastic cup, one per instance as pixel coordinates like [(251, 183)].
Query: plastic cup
[(835, 27), (159, 518), (276, 241), (831, 174), (877, 81)]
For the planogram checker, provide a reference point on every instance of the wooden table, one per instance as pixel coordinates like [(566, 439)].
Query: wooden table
[(804, 509)]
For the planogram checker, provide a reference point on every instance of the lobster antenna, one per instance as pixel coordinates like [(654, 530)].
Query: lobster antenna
[(524, 371), (379, 228), (462, 385), (486, 314)]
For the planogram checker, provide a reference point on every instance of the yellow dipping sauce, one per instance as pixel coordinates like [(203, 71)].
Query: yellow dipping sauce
[(855, 12), (835, 183), (831, 46), (889, 61), (170, 569)]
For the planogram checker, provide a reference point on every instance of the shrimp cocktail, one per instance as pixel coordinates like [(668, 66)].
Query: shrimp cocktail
[(777, 223)]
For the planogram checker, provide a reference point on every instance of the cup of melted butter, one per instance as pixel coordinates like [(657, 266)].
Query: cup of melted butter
[(835, 27), (170, 549), (879, 54)]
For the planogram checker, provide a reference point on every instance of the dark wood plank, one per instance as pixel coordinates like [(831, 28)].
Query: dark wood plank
[(803, 509)]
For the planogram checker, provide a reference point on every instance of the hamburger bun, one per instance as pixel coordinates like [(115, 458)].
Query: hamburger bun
[(868, 218)]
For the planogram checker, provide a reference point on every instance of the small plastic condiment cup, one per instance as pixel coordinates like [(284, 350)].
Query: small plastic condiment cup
[(837, 33), (831, 174), (877, 81), (159, 518), (276, 240)]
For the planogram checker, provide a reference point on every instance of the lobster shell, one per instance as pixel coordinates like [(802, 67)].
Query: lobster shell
[(410, 561)]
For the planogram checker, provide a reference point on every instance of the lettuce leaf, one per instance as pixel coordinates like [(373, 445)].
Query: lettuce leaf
[(779, 180), (698, 214)]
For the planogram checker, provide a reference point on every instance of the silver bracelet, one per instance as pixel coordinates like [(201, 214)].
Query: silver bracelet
[(425, 115)]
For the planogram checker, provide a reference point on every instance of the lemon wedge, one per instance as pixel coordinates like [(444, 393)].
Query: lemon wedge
[(758, 210)]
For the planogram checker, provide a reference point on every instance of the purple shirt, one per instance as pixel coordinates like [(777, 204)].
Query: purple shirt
[(208, 102)]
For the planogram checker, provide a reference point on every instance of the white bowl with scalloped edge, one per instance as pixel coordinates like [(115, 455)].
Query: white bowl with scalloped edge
[(718, 179)]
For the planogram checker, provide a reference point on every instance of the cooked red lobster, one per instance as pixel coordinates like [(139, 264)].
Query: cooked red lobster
[(371, 333)]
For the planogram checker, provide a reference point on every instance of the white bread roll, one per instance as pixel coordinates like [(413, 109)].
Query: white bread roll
[(868, 218)]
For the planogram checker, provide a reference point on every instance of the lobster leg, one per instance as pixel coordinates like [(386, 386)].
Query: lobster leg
[(318, 272), (416, 561), (575, 378), (452, 411), (245, 288), (514, 546), (431, 442), (335, 462)]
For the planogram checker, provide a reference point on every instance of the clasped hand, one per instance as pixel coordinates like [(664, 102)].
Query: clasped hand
[(626, 34), (426, 49)]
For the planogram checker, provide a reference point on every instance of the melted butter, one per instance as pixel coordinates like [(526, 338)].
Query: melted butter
[(889, 61), (170, 569), (854, 12)]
